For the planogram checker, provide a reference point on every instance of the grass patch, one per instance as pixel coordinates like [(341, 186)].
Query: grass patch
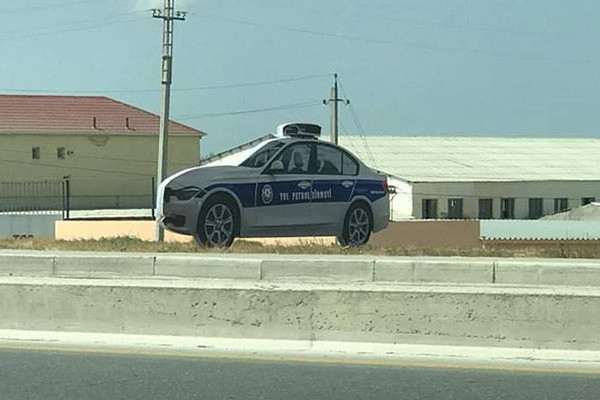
[(130, 244)]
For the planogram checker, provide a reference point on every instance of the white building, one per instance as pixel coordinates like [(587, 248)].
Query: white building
[(485, 178)]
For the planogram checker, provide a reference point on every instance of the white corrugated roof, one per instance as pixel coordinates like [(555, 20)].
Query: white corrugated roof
[(466, 159)]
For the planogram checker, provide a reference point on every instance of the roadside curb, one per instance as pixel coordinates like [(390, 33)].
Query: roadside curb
[(374, 354)]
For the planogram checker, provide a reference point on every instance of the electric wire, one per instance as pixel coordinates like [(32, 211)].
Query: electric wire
[(92, 157), (184, 89), (72, 27), (293, 106), (118, 172), (405, 44), (358, 124), (60, 5)]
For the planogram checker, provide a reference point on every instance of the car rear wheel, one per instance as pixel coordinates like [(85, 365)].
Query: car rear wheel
[(357, 226), (217, 223)]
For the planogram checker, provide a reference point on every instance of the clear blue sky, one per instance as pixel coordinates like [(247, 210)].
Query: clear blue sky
[(443, 67)]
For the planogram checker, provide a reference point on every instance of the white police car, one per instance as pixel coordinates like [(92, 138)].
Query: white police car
[(291, 185)]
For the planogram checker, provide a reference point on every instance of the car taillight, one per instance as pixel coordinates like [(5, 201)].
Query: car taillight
[(387, 188)]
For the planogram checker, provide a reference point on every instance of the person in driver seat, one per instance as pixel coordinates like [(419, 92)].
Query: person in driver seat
[(298, 163)]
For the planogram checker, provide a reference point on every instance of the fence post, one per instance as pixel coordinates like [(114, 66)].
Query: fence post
[(68, 197), (153, 198)]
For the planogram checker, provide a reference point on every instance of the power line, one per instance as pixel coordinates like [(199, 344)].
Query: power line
[(250, 84), (93, 157), (251, 111), (185, 89), (46, 7), (121, 172), (351, 142), (87, 25), (390, 17), (359, 126), (397, 43)]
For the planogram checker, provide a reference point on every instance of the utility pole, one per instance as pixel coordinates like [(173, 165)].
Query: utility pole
[(169, 16), (333, 102)]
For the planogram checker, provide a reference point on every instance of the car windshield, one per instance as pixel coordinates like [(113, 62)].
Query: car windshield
[(263, 155)]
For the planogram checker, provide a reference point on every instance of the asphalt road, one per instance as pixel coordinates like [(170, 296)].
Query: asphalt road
[(30, 375)]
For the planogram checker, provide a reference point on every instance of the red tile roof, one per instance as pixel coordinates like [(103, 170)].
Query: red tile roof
[(71, 114)]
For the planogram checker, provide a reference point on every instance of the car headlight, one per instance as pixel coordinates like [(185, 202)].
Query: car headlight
[(184, 193)]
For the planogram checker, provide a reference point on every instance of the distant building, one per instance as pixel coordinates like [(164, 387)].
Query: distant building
[(483, 177), (108, 149), (235, 155), (472, 177)]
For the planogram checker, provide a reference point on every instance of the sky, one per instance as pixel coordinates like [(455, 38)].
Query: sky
[(241, 67)]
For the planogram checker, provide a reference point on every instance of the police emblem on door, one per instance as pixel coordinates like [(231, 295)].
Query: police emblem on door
[(267, 194)]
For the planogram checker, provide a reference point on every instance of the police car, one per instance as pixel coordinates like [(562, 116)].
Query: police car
[(291, 185)]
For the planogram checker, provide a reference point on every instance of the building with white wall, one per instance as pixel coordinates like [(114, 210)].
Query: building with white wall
[(483, 177)]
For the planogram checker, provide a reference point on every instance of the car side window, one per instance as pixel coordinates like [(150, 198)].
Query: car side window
[(260, 158), (329, 160), (349, 165), (295, 159)]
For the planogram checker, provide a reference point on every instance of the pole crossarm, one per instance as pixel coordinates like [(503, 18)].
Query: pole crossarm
[(175, 15)]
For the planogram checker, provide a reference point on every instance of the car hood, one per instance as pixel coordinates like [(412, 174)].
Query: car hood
[(202, 177)]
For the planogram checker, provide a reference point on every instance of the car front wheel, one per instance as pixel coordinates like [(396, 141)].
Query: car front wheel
[(217, 223), (357, 226)]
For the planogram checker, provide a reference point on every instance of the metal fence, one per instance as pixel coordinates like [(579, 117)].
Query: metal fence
[(42, 197), (539, 230)]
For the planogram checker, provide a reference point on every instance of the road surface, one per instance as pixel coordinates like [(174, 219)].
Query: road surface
[(35, 374)]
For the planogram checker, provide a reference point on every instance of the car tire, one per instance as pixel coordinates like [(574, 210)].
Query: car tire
[(358, 225), (218, 222)]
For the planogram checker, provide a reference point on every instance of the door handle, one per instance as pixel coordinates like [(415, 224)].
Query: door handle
[(347, 184), (304, 184)]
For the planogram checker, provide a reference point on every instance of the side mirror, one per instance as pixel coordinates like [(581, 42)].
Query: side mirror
[(276, 166)]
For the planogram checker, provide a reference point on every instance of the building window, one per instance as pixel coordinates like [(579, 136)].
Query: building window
[(587, 200), (455, 208), (536, 208), (561, 204), (486, 208), (507, 208), (60, 153), (429, 209), (35, 153)]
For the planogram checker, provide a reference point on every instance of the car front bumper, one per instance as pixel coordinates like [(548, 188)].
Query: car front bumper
[(181, 216)]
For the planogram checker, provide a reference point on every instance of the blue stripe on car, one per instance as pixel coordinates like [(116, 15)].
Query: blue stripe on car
[(288, 192), (243, 191)]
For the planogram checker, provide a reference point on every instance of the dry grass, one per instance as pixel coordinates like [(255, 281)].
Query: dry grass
[(129, 244)]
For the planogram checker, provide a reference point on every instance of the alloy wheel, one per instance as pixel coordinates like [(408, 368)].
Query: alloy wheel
[(218, 225), (358, 227)]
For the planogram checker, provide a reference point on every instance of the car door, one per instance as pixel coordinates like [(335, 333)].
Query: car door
[(283, 195), (333, 185)]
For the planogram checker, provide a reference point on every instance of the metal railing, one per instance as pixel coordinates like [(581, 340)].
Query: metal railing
[(34, 197)]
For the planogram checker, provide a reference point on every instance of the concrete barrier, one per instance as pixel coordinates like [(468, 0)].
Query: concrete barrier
[(36, 225), (324, 269), (305, 268), (185, 266), (106, 265), (26, 264), (548, 272), (548, 318), (430, 270)]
